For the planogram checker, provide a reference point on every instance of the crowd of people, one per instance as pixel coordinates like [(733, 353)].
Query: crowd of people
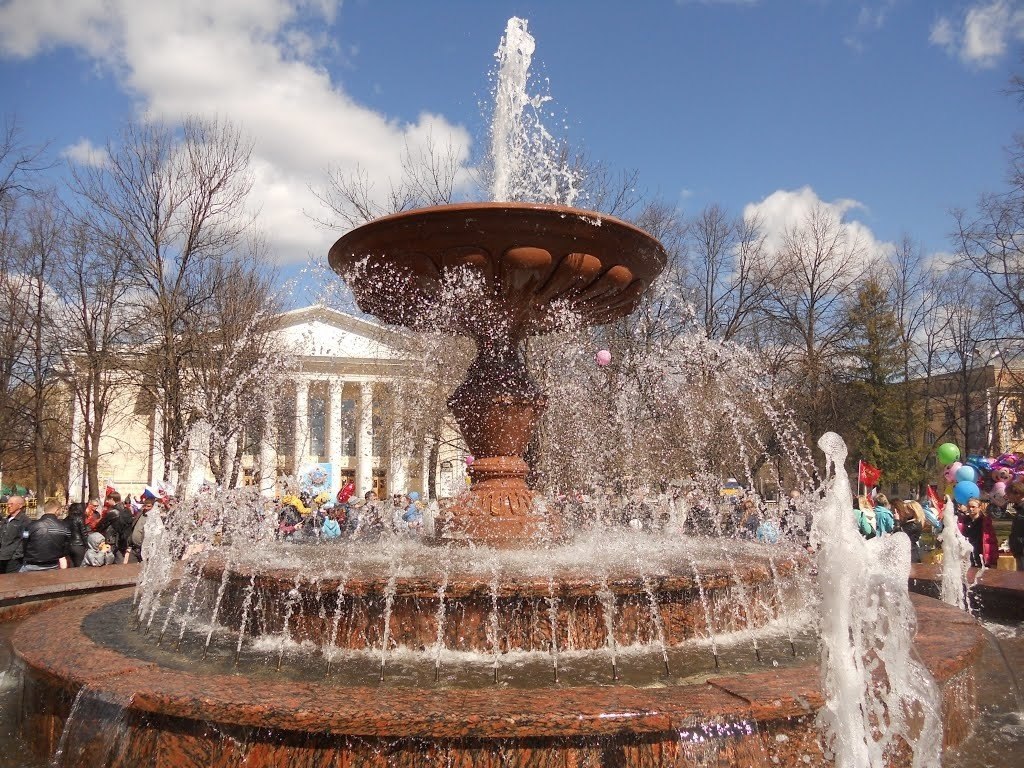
[(303, 516), (882, 516), (79, 535), (97, 534)]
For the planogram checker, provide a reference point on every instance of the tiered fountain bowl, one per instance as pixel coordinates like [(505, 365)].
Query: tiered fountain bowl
[(101, 693), (538, 268)]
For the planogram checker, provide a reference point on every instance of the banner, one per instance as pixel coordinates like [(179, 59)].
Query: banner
[(869, 475)]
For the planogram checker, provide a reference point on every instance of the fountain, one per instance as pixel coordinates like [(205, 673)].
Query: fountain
[(509, 639), (539, 266)]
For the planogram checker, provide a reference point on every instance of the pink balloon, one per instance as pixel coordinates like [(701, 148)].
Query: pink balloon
[(950, 473), (1002, 474), (998, 494), (470, 459), (603, 357)]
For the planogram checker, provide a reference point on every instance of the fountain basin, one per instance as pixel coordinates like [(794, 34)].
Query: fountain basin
[(743, 595), (161, 716)]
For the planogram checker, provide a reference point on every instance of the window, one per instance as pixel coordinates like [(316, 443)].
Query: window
[(929, 438)]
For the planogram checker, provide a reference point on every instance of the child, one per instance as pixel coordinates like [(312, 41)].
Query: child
[(99, 552)]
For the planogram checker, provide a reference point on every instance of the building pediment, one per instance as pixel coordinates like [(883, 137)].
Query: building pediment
[(321, 332)]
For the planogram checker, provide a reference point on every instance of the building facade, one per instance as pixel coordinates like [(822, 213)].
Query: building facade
[(337, 416)]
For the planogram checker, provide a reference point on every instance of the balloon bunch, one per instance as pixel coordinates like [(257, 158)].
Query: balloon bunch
[(979, 477)]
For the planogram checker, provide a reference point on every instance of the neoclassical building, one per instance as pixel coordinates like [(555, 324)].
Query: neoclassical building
[(334, 420)]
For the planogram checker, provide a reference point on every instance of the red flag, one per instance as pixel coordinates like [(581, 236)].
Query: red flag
[(933, 497), (869, 475)]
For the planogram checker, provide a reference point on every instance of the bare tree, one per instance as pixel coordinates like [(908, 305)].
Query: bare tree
[(730, 274), (237, 375), (20, 163), (429, 176), (176, 202), (818, 264), (95, 321), (970, 315)]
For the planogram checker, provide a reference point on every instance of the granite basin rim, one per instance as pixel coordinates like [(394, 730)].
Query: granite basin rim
[(53, 647)]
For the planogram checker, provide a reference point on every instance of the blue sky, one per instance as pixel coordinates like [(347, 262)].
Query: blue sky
[(891, 110)]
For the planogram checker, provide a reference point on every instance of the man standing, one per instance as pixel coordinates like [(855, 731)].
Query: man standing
[(12, 547), (47, 541)]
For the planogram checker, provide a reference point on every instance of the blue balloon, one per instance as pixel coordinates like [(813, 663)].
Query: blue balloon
[(967, 473), (965, 490)]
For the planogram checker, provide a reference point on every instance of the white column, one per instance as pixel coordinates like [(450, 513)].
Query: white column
[(268, 452), (301, 424), (364, 438), (76, 466), (398, 448), (334, 432)]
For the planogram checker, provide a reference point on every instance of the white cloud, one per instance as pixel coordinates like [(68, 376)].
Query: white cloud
[(982, 37), (942, 33), (250, 61), (785, 210), (84, 152), (870, 18)]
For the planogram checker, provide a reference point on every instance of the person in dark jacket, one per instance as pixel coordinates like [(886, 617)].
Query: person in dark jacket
[(47, 541), (12, 546), (116, 526), (79, 532), (908, 522), (1015, 541)]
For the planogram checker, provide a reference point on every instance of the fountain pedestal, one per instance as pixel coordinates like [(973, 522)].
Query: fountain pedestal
[(497, 407), (533, 269)]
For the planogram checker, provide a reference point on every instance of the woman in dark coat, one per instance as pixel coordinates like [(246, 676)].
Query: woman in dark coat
[(79, 543)]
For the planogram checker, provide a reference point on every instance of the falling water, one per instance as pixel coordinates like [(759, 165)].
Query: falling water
[(744, 601), (493, 638), (293, 598), (607, 598), (216, 606), (389, 603), (170, 609), (705, 607), (246, 607), (788, 623), (524, 157), (439, 642), (552, 602), (62, 743), (655, 613), (867, 626), (187, 613), (339, 608), (956, 559)]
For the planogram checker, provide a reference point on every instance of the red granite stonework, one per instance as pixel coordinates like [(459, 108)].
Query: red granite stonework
[(522, 608), (136, 713)]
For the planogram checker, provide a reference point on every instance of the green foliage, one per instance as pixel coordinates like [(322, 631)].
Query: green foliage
[(877, 407)]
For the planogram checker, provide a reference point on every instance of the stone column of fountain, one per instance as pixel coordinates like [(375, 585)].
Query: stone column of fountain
[(533, 269)]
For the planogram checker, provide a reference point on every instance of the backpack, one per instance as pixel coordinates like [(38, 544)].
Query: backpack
[(138, 530), (867, 530)]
